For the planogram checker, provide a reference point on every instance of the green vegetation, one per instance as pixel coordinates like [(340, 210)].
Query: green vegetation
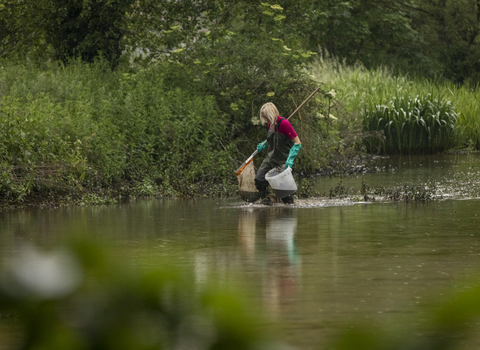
[(80, 298), (397, 104), (69, 129), (175, 122), (432, 38), (87, 134), (450, 326), (107, 100), (411, 125)]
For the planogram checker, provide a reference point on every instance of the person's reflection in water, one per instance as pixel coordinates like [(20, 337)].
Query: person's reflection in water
[(283, 261), (247, 226), (268, 246)]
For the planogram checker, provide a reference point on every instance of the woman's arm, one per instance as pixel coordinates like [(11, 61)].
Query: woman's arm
[(296, 139)]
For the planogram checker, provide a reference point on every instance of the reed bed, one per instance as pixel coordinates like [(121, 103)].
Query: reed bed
[(422, 116), (411, 125)]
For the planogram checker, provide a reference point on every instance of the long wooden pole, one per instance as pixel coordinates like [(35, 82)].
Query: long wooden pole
[(308, 98)]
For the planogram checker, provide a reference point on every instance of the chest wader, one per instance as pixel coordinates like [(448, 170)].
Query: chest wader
[(278, 149)]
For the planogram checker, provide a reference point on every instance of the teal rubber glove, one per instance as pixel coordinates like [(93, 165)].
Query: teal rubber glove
[(261, 146), (292, 155)]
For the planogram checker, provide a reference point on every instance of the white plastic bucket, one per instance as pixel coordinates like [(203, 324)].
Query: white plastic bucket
[(281, 181)]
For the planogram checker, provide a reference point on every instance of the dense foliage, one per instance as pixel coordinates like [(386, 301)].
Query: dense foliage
[(429, 37), (84, 126), (80, 298), (82, 129), (74, 130), (123, 97)]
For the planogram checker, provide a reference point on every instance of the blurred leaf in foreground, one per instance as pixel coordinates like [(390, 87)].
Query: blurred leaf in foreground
[(81, 299)]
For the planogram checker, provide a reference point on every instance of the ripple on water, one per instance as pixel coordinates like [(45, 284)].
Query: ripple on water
[(314, 202)]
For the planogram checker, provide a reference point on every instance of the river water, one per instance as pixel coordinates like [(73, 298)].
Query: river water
[(312, 267)]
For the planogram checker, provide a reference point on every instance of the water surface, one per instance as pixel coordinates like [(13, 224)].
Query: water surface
[(454, 176), (312, 269)]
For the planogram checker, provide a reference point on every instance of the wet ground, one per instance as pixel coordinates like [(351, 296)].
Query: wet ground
[(311, 267), (439, 177), (453, 176)]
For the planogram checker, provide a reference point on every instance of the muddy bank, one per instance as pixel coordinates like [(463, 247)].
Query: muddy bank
[(117, 193), (363, 178), (54, 197)]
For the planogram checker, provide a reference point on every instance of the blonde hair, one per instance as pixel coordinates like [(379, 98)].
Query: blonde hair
[(268, 113)]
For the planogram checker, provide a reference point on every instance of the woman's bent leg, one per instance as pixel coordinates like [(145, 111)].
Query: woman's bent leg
[(260, 183)]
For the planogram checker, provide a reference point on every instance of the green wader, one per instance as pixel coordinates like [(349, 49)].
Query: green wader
[(278, 149)]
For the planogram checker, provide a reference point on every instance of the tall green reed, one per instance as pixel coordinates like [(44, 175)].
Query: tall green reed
[(360, 88), (411, 125)]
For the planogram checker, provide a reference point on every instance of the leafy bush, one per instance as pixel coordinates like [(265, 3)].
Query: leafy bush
[(36, 151), (242, 66), (79, 127), (174, 118), (79, 298)]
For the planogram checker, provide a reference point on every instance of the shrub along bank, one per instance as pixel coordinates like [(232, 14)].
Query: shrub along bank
[(86, 134), (72, 130), (83, 133)]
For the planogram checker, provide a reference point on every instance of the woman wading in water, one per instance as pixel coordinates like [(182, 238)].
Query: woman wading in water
[(283, 145)]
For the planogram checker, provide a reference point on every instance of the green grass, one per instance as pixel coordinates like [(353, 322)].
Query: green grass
[(363, 90)]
